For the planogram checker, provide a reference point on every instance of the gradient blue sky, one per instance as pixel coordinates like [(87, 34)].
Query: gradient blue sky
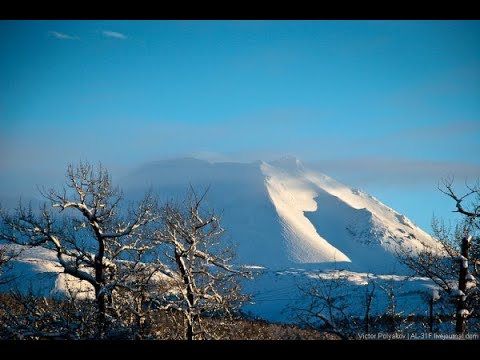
[(387, 106)]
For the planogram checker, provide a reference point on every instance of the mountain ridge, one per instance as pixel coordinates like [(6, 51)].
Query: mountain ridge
[(288, 201)]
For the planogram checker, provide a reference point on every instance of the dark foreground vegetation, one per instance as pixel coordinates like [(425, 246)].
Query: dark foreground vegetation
[(33, 318)]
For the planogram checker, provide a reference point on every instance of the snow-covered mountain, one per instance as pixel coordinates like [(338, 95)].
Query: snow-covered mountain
[(283, 214)]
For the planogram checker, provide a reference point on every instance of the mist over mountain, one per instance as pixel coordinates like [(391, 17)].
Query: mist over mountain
[(282, 213)]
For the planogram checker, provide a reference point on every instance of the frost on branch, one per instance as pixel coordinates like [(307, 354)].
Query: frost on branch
[(455, 267), (205, 282), (464, 313), (464, 261), (470, 278), (96, 241)]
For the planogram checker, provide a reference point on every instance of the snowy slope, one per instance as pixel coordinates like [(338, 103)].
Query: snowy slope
[(326, 221), (36, 270), (282, 214)]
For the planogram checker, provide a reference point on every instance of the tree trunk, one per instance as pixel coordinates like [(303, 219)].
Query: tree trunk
[(189, 332), (430, 319), (367, 322), (101, 308), (100, 292), (462, 286), (191, 317), (368, 304), (393, 325)]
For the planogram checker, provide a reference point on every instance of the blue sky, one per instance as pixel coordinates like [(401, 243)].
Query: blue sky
[(388, 106)]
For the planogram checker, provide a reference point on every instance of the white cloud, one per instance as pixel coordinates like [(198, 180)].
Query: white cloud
[(114, 35), (62, 36)]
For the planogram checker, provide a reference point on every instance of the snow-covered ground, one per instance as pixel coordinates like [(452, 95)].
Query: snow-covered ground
[(275, 293), (284, 217), (279, 295), (35, 270)]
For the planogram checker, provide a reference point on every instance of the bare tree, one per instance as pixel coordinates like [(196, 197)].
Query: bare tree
[(454, 267), (26, 316), (204, 282), (369, 297), (328, 305), (3, 259), (431, 297), (392, 316), (93, 236), (6, 255)]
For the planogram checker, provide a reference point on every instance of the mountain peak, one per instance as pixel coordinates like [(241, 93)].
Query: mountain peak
[(288, 162)]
